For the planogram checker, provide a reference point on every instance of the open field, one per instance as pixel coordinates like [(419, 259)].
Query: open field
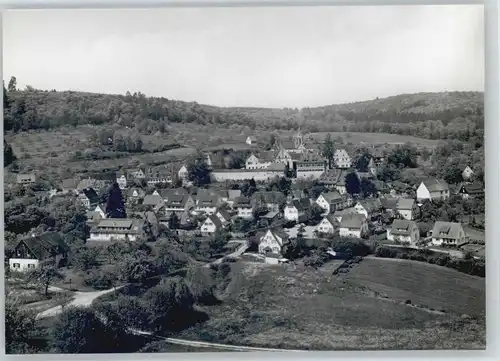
[(292, 307), (433, 286), (375, 138)]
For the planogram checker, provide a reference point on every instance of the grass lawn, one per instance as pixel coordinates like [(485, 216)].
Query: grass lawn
[(424, 284), (474, 234), (293, 307)]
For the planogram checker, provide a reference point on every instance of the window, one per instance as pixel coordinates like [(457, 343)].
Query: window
[(16, 265), (31, 265)]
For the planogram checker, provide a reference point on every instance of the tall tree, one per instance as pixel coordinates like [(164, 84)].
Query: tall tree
[(8, 154), (12, 87), (353, 184), (115, 205), (199, 171), (173, 221), (45, 275), (328, 149)]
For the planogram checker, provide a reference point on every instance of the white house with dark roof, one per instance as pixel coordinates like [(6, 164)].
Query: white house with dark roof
[(353, 225), (207, 202), (296, 210), (89, 198), (261, 161), (368, 207), (272, 241), (407, 208), (328, 225), (471, 190), (433, 189), (31, 251), (117, 229), (211, 225), (331, 201), (448, 233), (403, 231), (335, 179), (342, 159), (243, 206)]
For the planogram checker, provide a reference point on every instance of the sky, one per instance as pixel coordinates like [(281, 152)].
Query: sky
[(255, 57)]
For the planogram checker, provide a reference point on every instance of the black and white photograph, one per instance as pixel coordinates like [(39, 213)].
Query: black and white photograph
[(238, 179)]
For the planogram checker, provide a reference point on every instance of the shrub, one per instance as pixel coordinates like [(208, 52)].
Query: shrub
[(99, 280)]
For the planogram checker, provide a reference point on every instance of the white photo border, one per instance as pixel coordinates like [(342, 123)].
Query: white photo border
[(492, 162)]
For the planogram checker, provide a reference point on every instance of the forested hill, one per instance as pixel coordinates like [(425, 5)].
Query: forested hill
[(428, 115)]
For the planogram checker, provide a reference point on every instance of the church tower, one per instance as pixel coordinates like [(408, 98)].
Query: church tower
[(298, 139)]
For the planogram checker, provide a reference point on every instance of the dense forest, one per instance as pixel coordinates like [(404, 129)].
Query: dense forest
[(453, 115)]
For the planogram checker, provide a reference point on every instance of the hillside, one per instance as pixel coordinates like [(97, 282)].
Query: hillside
[(427, 115)]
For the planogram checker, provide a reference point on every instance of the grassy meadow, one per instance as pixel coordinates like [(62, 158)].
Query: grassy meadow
[(300, 308)]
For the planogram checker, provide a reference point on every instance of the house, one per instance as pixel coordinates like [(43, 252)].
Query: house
[(344, 212), (407, 208), (399, 189), (186, 220), (368, 207), (183, 173), (158, 176), (88, 197), (372, 167), (101, 210), (296, 210), (118, 229), (153, 201), (471, 190), (262, 161), (331, 201), (342, 159), (353, 225), (378, 155), (207, 202), (284, 157), (433, 189), (251, 140), (328, 225), (229, 196), (135, 195), (90, 182), (211, 225), (270, 218), (179, 202), (467, 174), (121, 179), (223, 215), (208, 160), (25, 179), (31, 251), (448, 233), (136, 173), (272, 200), (272, 241), (93, 217), (310, 165), (244, 207), (335, 179), (403, 231), (69, 185), (389, 204)]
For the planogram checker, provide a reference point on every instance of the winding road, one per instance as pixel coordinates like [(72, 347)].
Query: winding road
[(85, 299)]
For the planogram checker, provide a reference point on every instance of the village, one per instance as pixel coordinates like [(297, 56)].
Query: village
[(295, 190)]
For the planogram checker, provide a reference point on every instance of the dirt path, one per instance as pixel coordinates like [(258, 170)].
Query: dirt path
[(85, 299)]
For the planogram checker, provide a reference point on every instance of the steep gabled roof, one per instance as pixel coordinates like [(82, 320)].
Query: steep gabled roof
[(352, 221), (46, 244), (215, 220), (300, 204), (435, 185), (242, 202), (334, 176), (448, 230), (473, 188), (332, 196), (269, 197), (405, 203), (389, 202), (402, 227), (371, 205), (153, 200), (92, 195)]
